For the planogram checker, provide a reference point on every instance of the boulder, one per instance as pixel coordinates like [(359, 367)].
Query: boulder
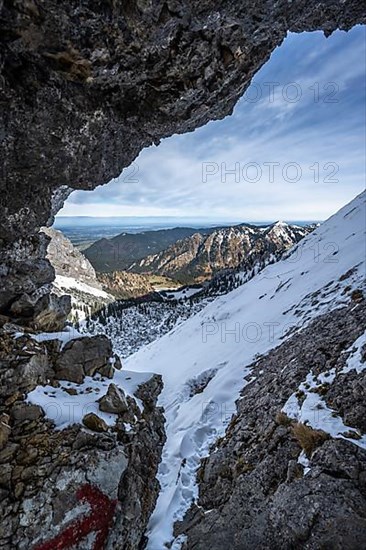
[(52, 313), (114, 401), (107, 371), (149, 391), (23, 366), (67, 369), (24, 411), (85, 357), (95, 423)]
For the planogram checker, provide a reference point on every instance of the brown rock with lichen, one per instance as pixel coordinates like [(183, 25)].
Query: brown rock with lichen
[(95, 423)]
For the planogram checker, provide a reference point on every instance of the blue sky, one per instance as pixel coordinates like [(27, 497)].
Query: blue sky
[(296, 144)]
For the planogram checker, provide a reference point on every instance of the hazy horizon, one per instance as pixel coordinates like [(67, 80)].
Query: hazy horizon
[(87, 229), (148, 220)]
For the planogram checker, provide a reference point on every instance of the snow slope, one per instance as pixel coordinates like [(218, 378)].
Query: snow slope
[(70, 283), (204, 360), (83, 295)]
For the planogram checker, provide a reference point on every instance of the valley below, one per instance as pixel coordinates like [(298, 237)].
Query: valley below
[(147, 299), (219, 346)]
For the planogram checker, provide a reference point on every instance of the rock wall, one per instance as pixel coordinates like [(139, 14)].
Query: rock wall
[(86, 85), (67, 260), (73, 484), (255, 489)]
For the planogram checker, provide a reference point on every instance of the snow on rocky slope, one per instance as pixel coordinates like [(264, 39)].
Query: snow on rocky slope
[(204, 360), (75, 276)]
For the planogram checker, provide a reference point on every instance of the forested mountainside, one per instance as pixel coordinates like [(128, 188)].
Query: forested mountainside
[(200, 256), (118, 253)]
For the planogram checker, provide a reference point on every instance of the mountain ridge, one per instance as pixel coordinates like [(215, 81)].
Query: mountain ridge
[(198, 257), (191, 255), (117, 253)]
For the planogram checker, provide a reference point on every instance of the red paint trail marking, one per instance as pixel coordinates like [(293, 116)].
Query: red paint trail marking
[(99, 520)]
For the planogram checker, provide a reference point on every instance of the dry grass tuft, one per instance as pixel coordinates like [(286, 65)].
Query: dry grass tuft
[(308, 438), (282, 419), (72, 64), (357, 295)]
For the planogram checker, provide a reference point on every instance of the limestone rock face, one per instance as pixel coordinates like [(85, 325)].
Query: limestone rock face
[(253, 484), (32, 366), (67, 260), (85, 86), (139, 488), (75, 277), (23, 272)]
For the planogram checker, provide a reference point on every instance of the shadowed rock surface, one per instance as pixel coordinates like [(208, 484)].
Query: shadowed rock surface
[(86, 85), (67, 260), (253, 492)]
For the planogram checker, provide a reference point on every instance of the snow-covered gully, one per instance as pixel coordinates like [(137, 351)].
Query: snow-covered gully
[(204, 361)]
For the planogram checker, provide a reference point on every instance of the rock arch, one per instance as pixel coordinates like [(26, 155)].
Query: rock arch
[(86, 85)]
